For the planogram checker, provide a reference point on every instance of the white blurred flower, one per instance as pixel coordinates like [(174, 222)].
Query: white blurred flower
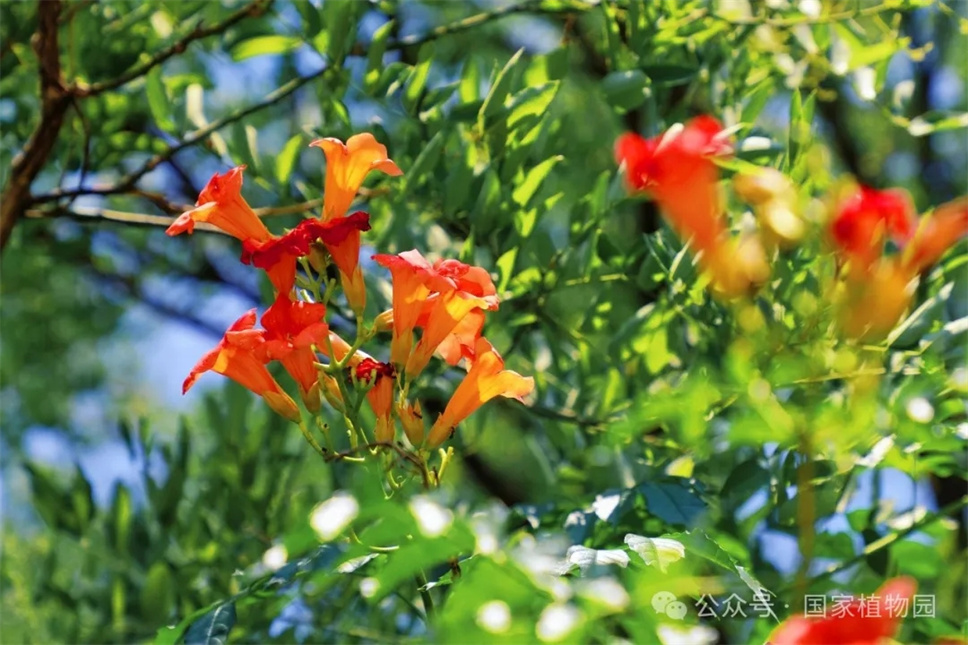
[(920, 409), (660, 552), (585, 558), (682, 635), (432, 518), (275, 557), (605, 591), (329, 518), (877, 453), (556, 622), (486, 526), (369, 587), (864, 83), (494, 616)]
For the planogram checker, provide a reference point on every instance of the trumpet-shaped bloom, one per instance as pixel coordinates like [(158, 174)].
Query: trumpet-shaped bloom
[(221, 204), (936, 234), (342, 240), (445, 312), (347, 165), (380, 376), (878, 289), (291, 330), (240, 355), (460, 342), (485, 380), (677, 169), (850, 625), (864, 221), (414, 279), (341, 237)]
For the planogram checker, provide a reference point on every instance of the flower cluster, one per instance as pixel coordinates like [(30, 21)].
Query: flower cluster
[(444, 301), (678, 170)]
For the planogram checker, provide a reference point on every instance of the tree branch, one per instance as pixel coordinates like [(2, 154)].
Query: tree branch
[(55, 99), (127, 183), (255, 8)]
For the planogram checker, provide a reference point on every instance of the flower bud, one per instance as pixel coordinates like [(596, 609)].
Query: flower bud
[(283, 404), (738, 267), (764, 186), (411, 416), (331, 391), (384, 322), (317, 257)]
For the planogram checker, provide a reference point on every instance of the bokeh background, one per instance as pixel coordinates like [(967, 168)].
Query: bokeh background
[(126, 505)]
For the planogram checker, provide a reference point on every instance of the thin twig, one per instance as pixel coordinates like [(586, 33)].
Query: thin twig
[(126, 183), (253, 9)]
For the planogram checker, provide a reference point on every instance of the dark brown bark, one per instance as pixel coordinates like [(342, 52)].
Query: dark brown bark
[(55, 99)]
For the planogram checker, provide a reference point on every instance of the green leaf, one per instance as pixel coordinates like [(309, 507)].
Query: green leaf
[(500, 89), (213, 628), (158, 101), (425, 162), (286, 159), (670, 75), (262, 45), (339, 18), (532, 181), (531, 101), (625, 90), (674, 502), (418, 79), (374, 54)]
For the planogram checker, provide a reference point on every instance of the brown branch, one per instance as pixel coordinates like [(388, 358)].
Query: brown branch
[(127, 183), (55, 99), (255, 8)]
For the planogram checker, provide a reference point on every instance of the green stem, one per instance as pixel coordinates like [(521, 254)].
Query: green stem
[(806, 515), (428, 601), (311, 439)]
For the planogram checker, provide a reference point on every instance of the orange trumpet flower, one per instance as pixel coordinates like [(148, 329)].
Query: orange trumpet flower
[(853, 623), (221, 204), (445, 312), (414, 279), (347, 165), (937, 233), (485, 380), (240, 356), (291, 330)]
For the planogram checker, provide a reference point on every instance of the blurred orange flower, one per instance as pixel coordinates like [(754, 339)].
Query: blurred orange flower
[(866, 219), (240, 356), (878, 287), (485, 380), (677, 169), (852, 624)]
